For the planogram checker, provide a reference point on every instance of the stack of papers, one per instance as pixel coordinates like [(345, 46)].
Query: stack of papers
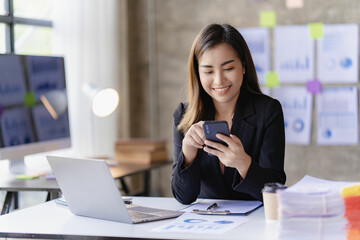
[(351, 195), (312, 208)]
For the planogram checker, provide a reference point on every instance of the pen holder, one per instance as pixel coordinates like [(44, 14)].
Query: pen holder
[(270, 200)]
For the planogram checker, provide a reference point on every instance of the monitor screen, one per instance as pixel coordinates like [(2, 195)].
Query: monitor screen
[(26, 125)]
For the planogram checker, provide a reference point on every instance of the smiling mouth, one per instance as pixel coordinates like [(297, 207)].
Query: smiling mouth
[(222, 90)]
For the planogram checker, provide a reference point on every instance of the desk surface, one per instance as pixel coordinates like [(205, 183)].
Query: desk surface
[(8, 182), (50, 220)]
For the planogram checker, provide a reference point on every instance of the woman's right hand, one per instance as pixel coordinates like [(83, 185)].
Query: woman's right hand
[(193, 140)]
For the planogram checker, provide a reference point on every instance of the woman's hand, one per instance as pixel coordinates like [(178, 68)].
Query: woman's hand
[(232, 155), (193, 140)]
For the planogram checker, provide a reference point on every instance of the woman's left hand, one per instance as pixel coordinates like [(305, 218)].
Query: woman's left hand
[(232, 155)]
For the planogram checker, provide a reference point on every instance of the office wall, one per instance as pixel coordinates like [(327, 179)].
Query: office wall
[(176, 25)]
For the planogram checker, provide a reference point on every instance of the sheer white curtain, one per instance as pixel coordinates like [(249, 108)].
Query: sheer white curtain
[(89, 34)]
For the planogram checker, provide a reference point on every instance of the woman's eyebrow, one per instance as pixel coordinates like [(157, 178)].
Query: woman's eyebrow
[(227, 62), (224, 63), (206, 66)]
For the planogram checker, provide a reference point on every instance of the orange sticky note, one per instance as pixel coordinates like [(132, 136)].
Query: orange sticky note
[(316, 30), (267, 18), (271, 80)]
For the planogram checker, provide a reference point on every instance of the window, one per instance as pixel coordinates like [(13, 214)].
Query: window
[(2, 7), (2, 38), (26, 26)]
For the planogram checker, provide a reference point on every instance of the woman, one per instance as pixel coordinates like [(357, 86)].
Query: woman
[(223, 85)]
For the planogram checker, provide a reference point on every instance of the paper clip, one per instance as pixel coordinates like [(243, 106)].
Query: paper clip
[(209, 212)]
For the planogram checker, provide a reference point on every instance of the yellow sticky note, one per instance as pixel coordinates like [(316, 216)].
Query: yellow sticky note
[(271, 80), (352, 190), (316, 30), (267, 18)]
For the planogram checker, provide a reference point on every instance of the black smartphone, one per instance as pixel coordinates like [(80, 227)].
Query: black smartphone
[(211, 128)]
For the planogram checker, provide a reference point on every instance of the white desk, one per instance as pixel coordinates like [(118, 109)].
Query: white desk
[(50, 220), (12, 186)]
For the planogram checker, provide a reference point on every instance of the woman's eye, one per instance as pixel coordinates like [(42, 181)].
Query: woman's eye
[(228, 69), (208, 72)]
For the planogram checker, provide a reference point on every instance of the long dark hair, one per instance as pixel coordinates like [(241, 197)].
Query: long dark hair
[(209, 37)]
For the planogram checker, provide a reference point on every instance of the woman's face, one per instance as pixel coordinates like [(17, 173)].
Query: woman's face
[(221, 73)]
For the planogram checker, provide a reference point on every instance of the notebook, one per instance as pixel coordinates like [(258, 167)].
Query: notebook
[(91, 191)]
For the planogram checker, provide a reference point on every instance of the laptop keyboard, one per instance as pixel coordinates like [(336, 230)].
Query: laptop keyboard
[(139, 216)]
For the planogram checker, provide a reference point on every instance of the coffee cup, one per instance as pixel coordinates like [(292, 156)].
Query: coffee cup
[(270, 200)]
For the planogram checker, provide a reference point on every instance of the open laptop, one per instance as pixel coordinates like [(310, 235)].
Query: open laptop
[(91, 191)]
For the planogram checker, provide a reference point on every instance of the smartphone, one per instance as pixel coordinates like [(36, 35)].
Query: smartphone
[(211, 128)]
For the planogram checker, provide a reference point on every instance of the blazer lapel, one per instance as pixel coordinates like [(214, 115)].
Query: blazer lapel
[(240, 126)]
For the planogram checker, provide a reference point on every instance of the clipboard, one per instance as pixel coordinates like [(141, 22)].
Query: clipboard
[(224, 207), (211, 212)]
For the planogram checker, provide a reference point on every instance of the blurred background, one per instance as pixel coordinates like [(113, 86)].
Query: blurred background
[(140, 48)]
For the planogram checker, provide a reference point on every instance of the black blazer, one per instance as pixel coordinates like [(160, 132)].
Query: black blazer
[(259, 123)]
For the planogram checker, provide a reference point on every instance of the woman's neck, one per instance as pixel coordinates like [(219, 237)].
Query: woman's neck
[(224, 113)]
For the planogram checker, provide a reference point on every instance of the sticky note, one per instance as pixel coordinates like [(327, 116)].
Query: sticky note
[(267, 18), (271, 80), (50, 176), (25, 177), (316, 30), (313, 86), (352, 190), (29, 99), (291, 4)]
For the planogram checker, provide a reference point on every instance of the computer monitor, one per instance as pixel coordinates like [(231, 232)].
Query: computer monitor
[(26, 126)]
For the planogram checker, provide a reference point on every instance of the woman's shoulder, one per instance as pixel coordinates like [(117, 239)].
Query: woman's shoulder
[(180, 110), (265, 101), (263, 98)]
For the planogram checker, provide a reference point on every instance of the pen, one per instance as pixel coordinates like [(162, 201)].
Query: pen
[(207, 212), (127, 200), (212, 206)]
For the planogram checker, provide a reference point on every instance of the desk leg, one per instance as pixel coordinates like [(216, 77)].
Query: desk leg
[(16, 200), (124, 186), (52, 195), (7, 203)]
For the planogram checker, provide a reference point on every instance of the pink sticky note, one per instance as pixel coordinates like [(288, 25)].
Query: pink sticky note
[(313, 86), (294, 4)]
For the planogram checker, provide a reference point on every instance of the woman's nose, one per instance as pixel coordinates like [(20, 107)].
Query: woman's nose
[(219, 78)]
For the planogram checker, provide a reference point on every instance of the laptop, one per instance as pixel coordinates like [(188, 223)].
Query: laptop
[(90, 191)]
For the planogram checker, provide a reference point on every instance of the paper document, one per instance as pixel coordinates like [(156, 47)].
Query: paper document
[(337, 116), (233, 207), (312, 209), (257, 39), (312, 197), (337, 52), (296, 103), (293, 54), (204, 224), (313, 185)]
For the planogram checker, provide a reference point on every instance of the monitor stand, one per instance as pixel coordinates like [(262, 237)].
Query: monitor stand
[(17, 166)]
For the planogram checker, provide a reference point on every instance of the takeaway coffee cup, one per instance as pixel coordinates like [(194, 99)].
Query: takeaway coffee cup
[(270, 200)]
